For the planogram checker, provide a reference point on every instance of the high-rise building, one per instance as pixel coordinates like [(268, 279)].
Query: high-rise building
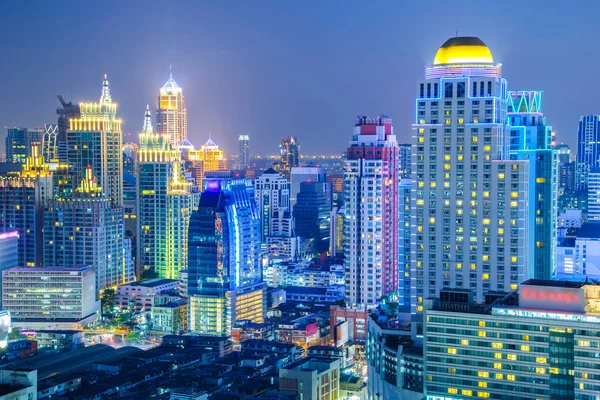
[(567, 169), (531, 140), (22, 199), (20, 142), (371, 212), (9, 254), (538, 343), (88, 229), (303, 174), (271, 194), (244, 154), (50, 144), (594, 195), (165, 201), (224, 268), (312, 214), (404, 242), (65, 113), (290, 154), (171, 115), (94, 139), (207, 158), (588, 148), (470, 211), (336, 230)]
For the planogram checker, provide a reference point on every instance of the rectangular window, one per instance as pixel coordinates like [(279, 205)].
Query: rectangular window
[(489, 91), (460, 89), (481, 88), (422, 91), (428, 90), (435, 91), (474, 92)]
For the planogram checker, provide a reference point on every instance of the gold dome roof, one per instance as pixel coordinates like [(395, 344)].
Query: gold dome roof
[(463, 50)]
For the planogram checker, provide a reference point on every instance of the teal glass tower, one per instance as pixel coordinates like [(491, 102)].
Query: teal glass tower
[(531, 139)]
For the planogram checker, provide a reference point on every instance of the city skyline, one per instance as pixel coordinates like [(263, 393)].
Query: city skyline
[(220, 73)]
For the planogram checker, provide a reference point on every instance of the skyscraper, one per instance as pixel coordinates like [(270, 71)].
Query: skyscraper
[(290, 154), (588, 148), (164, 204), (171, 115), (312, 214), (404, 252), (65, 113), (19, 143), (88, 229), (594, 195), (94, 139), (271, 194), (405, 150), (225, 276), (470, 210), (566, 169), (303, 174), (371, 212), (531, 140), (244, 154), (22, 201)]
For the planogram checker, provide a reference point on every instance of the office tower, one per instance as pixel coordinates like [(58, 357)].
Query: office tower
[(50, 143), (244, 154), (303, 174), (336, 230), (207, 158), (68, 301), (65, 113), (88, 229), (94, 139), (537, 343), (470, 211), (594, 195), (271, 194), (289, 150), (404, 242), (130, 151), (405, 163), (9, 253), (588, 148), (566, 169), (171, 115), (19, 143), (224, 268), (311, 214), (371, 212), (165, 201), (22, 201), (531, 140)]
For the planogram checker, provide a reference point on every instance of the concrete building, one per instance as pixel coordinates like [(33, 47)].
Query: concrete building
[(60, 339), (272, 195), (356, 318), (170, 317), (18, 383), (50, 297), (303, 174), (224, 269), (171, 114), (244, 153), (538, 343), (470, 211), (311, 214), (579, 258), (405, 290), (9, 253), (371, 212), (312, 378), (141, 294), (593, 214)]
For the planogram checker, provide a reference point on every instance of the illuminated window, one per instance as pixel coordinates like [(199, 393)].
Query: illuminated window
[(421, 130), (481, 333), (498, 355), (481, 323), (513, 259), (513, 286), (486, 221), (447, 166), (540, 180), (419, 229), (482, 384), (500, 176), (512, 357), (421, 121), (432, 220), (447, 157), (540, 371), (451, 350), (421, 139), (420, 202), (452, 390), (584, 375), (483, 374), (497, 345), (419, 308), (526, 337), (474, 266), (485, 258), (451, 370), (514, 194), (484, 395), (487, 148), (500, 231), (464, 342), (474, 139), (514, 203), (498, 365), (583, 343), (510, 377), (466, 392), (499, 376), (525, 348), (486, 276)]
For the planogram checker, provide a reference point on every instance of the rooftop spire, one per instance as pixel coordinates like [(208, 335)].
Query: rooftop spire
[(105, 98), (147, 120)]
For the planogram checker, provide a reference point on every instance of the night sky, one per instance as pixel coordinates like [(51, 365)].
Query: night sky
[(275, 68)]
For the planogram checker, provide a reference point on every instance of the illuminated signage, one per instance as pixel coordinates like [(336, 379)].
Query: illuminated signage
[(552, 298)]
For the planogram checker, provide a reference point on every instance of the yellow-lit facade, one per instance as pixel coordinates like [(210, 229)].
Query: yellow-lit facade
[(207, 158), (171, 115)]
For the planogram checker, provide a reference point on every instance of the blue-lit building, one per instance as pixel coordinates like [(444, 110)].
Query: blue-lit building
[(588, 148), (225, 282), (312, 213), (531, 139), (19, 143)]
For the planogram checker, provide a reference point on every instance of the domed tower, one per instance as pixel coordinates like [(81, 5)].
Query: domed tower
[(469, 216)]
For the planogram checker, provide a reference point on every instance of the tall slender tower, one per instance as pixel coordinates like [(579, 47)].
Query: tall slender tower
[(272, 194), (371, 212), (289, 150), (588, 149), (244, 155), (164, 204), (470, 205), (171, 115), (95, 139)]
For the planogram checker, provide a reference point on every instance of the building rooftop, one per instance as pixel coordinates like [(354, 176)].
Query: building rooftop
[(153, 282), (319, 364), (463, 50), (557, 284), (76, 268)]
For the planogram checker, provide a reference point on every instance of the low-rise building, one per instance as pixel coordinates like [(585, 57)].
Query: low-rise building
[(246, 330), (540, 341), (578, 257), (69, 299), (329, 294), (66, 339), (312, 378), (220, 346), (171, 316), (140, 295), (18, 384), (301, 332), (356, 318)]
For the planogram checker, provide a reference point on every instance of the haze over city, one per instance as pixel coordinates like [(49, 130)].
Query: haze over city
[(273, 68)]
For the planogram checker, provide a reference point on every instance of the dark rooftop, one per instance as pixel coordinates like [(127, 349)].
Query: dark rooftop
[(153, 282), (548, 283)]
